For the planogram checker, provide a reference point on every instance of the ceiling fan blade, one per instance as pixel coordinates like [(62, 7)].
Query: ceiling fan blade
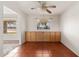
[(51, 6), (48, 11), (33, 8)]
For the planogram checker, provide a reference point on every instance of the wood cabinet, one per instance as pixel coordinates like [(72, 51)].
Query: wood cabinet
[(53, 36), (27, 36), (46, 36), (43, 36), (39, 36)]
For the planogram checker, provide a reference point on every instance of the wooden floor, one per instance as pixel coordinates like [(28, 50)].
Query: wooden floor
[(41, 49)]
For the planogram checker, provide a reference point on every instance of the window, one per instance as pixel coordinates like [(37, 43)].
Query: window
[(9, 27)]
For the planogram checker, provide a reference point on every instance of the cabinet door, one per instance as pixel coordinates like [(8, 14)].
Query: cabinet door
[(32, 36), (49, 36), (58, 36), (46, 36), (39, 36), (27, 36), (53, 36)]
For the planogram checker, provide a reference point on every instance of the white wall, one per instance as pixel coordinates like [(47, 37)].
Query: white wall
[(1, 41), (21, 22), (70, 28), (10, 14), (32, 23), (20, 19)]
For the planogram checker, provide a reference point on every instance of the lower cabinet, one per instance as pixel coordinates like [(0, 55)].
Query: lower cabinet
[(43, 36)]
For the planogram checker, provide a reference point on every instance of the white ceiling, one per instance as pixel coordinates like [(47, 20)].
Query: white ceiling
[(7, 10), (61, 6), (25, 6)]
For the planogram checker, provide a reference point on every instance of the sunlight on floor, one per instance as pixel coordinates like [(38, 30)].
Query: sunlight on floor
[(12, 52), (44, 53)]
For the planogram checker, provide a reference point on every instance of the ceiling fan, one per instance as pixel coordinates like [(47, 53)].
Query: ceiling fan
[(44, 6)]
